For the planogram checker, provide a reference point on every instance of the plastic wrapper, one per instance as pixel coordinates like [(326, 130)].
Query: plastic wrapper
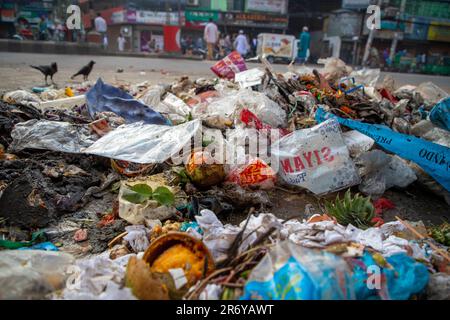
[(22, 97), (357, 143), (219, 237), (144, 143), (249, 78), (51, 135), (229, 107), (431, 93), (26, 275), (256, 173), (103, 97), (291, 272), (152, 96), (316, 159), (433, 158), (440, 115), (229, 66), (367, 77), (334, 69), (381, 172), (264, 108)]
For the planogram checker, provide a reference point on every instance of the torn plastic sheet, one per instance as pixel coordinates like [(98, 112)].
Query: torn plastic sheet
[(433, 158), (103, 97), (316, 159), (51, 135), (144, 143)]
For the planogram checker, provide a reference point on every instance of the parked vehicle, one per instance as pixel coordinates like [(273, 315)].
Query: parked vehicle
[(277, 47)]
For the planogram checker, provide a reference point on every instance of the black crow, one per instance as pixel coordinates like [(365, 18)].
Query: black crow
[(85, 71), (47, 71)]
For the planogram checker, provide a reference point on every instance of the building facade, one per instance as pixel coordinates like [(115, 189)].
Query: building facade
[(422, 29)]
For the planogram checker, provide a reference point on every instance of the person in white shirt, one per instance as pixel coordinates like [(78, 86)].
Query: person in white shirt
[(101, 27), (211, 37), (121, 43), (241, 44)]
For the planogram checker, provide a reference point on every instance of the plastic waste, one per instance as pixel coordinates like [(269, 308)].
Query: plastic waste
[(431, 93), (97, 278), (265, 109), (51, 135), (440, 115), (381, 172), (439, 287), (357, 143), (428, 131), (26, 275), (229, 66), (103, 97), (291, 272), (219, 237), (433, 158), (249, 78), (144, 143), (22, 97), (334, 69), (316, 159), (45, 246), (365, 76), (256, 173), (137, 238)]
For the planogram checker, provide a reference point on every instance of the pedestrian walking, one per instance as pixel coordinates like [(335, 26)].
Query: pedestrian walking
[(43, 29), (121, 41), (241, 44), (102, 28), (211, 36), (305, 43)]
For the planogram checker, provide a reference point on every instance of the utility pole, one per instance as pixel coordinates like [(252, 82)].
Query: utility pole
[(397, 33), (370, 40)]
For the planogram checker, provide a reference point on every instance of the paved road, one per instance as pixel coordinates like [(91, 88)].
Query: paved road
[(15, 71)]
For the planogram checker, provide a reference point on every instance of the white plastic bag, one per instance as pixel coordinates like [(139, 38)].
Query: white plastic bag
[(316, 159)]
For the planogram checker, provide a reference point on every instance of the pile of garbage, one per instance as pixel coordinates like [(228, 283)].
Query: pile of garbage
[(111, 192)]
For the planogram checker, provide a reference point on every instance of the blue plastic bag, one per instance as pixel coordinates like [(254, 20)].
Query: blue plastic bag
[(406, 278), (292, 272), (433, 158), (45, 246), (105, 98), (440, 115)]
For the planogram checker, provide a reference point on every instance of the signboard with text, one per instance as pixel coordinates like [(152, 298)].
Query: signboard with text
[(271, 6)]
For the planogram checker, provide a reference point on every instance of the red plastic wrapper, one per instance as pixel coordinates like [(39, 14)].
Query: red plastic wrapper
[(229, 66), (251, 120), (256, 173)]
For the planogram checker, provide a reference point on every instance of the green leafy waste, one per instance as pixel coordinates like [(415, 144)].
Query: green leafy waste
[(441, 234), (141, 193), (357, 210)]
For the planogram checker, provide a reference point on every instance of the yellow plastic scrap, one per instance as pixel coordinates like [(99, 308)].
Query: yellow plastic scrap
[(69, 92)]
